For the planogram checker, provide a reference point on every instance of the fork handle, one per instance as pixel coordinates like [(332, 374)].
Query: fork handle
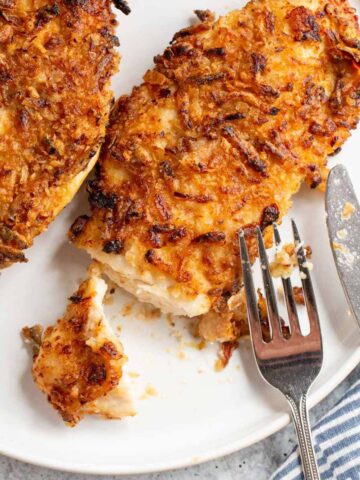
[(301, 420)]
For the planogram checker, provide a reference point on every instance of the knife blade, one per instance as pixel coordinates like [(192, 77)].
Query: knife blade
[(343, 222)]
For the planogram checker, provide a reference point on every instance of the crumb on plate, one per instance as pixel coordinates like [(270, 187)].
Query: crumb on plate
[(150, 391)]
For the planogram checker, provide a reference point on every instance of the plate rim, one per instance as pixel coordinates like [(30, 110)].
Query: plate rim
[(279, 422)]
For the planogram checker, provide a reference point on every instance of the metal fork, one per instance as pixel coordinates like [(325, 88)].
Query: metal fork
[(289, 364)]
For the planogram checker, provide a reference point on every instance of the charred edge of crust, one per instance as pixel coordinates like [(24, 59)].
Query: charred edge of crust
[(123, 6), (9, 255), (78, 226), (270, 215)]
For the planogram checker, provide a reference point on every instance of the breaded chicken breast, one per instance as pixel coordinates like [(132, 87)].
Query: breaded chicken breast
[(56, 63), (79, 362), (236, 114)]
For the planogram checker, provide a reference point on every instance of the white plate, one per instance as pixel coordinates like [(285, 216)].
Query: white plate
[(194, 416)]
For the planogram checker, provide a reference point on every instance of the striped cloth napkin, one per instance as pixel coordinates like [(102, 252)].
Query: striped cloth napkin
[(337, 443)]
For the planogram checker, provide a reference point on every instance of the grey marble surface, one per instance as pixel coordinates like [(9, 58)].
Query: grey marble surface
[(254, 463)]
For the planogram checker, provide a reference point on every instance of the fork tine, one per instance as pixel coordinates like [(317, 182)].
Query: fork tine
[(307, 285), (251, 298), (273, 313), (288, 293)]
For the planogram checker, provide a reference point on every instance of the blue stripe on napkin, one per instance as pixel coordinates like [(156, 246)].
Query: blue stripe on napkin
[(337, 443)]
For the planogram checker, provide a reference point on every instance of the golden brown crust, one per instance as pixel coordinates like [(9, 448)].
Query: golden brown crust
[(236, 114), (78, 363), (56, 61)]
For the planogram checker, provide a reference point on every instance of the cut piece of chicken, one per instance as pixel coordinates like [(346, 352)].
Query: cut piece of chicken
[(56, 63), (234, 117), (79, 362)]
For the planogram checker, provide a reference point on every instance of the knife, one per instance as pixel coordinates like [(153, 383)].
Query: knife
[(343, 221)]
